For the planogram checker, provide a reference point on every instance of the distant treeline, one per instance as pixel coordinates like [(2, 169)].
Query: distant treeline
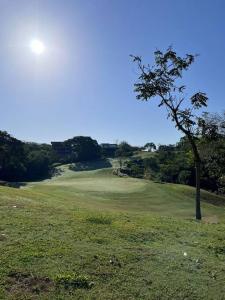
[(23, 161), (175, 164)]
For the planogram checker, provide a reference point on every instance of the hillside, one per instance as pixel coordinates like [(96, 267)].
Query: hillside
[(92, 235)]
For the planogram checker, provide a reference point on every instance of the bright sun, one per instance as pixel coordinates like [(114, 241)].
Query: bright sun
[(37, 47)]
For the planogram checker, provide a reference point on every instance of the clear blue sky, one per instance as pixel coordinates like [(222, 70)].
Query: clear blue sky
[(83, 83)]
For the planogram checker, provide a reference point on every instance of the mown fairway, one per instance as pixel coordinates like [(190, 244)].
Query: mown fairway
[(109, 238)]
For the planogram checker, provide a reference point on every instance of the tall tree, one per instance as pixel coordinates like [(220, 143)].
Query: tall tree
[(150, 146), (83, 148), (162, 81)]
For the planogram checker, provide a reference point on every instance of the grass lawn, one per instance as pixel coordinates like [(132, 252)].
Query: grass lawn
[(92, 235)]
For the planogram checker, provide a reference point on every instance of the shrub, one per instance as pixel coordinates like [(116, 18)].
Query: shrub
[(184, 176)]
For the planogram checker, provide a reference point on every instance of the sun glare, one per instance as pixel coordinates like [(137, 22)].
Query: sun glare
[(37, 47)]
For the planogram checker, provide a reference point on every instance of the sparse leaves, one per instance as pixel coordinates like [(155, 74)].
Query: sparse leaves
[(198, 100), (159, 81)]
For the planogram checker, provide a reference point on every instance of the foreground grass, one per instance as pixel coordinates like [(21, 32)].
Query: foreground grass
[(90, 235)]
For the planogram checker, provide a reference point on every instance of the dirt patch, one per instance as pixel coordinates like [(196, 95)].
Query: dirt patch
[(2, 237), (211, 220), (25, 283)]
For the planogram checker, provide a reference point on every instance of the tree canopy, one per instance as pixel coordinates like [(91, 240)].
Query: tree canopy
[(83, 148)]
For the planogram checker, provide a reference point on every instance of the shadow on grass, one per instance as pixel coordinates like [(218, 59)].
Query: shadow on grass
[(217, 200), (90, 165), (57, 171), (15, 185)]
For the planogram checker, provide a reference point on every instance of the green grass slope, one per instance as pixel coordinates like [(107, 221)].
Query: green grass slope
[(92, 235)]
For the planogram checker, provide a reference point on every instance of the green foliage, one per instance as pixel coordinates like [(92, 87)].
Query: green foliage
[(82, 148), (212, 151), (184, 176), (124, 150), (38, 165), (169, 172), (20, 161), (108, 150), (23, 161), (170, 163), (134, 167), (162, 81), (150, 146), (151, 163), (12, 158), (175, 165)]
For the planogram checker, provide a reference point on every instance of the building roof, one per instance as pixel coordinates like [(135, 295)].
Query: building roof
[(108, 145)]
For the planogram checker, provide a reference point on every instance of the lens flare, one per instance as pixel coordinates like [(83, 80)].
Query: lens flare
[(37, 47)]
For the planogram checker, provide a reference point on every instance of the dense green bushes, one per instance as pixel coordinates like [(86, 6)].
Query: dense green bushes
[(20, 161), (124, 150), (174, 163), (79, 148), (23, 161)]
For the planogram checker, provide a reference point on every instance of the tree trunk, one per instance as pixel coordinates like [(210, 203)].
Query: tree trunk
[(197, 178), (198, 204)]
